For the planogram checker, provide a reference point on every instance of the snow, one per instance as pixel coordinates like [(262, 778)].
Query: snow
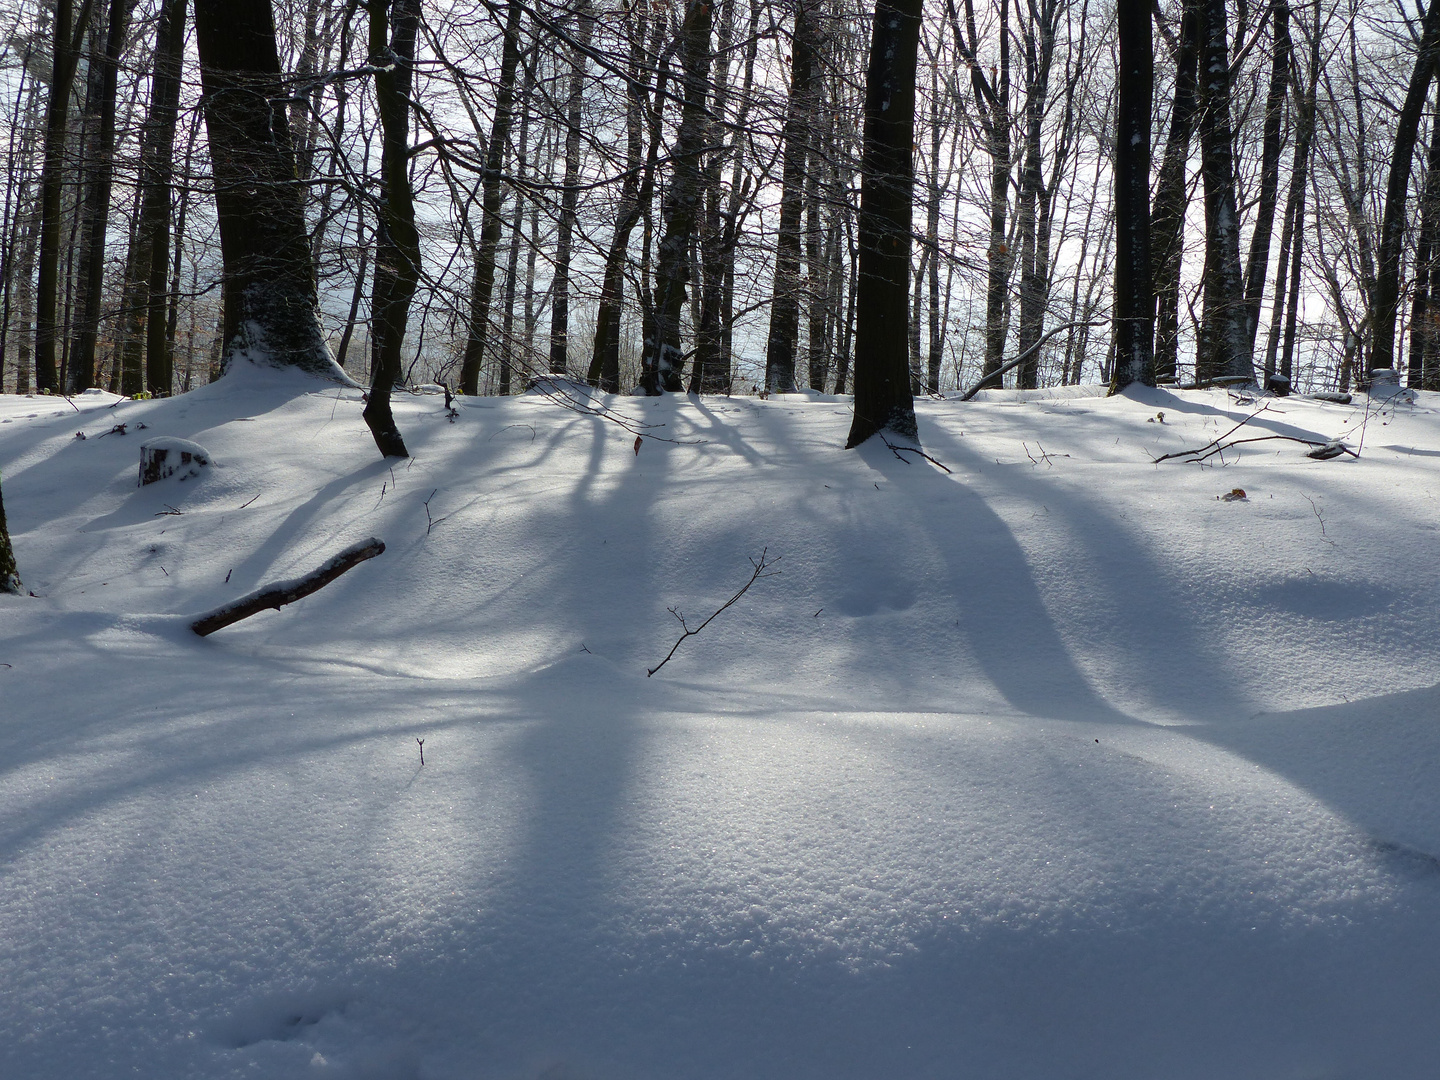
[(1057, 765)]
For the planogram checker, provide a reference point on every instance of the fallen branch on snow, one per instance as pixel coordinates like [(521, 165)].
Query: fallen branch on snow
[(1321, 450), (760, 565), (287, 592)]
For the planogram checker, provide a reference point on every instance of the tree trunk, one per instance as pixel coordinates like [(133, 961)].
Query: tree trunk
[(1259, 259), (269, 279), (635, 195), (1134, 302), (155, 209), (1386, 299), (785, 304), (882, 372), (397, 247), (69, 32), (483, 282), (96, 215), (1292, 234), (1225, 346), (9, 573), (569, 200), (1167, 218), (663, 360)]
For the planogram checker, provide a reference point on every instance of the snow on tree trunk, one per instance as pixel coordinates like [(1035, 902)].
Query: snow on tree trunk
[(269, 279)]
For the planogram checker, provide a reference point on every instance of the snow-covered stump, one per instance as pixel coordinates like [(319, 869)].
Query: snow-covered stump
[(165, 457)]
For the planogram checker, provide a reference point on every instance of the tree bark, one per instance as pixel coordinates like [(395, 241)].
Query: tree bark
[(1134, 302), (1167, 219), (69, 32), (1225, 340), (1386, 297), (662, 363), (9, 572), (155, 209), (882, 372), (785, 302), (1258, 261), (269, 279), (96, 214), (397, 247), (569, 199), (483, 282)]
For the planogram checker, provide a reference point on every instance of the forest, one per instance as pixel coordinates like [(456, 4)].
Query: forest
[(670, 195)]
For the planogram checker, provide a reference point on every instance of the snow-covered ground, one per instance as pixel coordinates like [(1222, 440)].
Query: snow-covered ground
[(1057, 765)]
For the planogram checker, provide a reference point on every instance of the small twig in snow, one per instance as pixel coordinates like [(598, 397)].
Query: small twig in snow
[(896, 450), (430, 522), (761, 565), (422, 752)]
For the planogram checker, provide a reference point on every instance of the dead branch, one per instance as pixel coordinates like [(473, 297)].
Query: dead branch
[(896, 450), (287, 592), (761, 565), (1321, 449), (992, 381)]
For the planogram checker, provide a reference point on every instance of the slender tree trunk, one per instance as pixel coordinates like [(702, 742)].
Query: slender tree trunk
[(517, 228), (483, 283), (1292, 235), (569, 200), (1167, 219), (105, 73), (663, 361), (359, 290), (635, 195), (269, 279), (155, 208), (1225, 347), (69, 32), (932, 235), (882, 372), (397, 248), (1259, 259), (785, 305), (1385, 305)]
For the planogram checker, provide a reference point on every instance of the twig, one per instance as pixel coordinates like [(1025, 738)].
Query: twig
[(1218, 445), (286, 592), (422, 752), (894, 449), (430, 522), (761, 565), (507, 427)]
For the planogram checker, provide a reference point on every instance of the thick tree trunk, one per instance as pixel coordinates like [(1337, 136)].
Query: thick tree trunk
[(1386, 298), (9, 573), (96, 215), (785, 302), (882, 372), (269, 280), (483, 283), (69, 32), (1225, 346), (1134, 303), (663, 362), (1167, 218)]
